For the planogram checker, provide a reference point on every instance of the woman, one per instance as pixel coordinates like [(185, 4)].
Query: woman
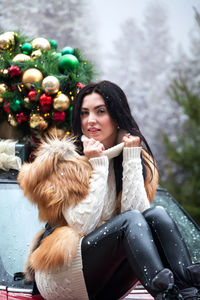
[(124, 240)]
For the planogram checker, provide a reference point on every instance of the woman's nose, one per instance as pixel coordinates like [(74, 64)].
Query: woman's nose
[(91, 119)]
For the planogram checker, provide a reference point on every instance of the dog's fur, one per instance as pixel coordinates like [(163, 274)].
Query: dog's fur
[(56, 179)]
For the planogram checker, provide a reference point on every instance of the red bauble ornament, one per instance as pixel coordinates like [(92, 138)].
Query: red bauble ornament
[(33, 96), (80, 85), (6, 108), (59, 116), (14, 71), (45, 102), (21, 118)]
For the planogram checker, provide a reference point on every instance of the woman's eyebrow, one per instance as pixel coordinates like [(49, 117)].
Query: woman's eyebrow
[(96, 107)]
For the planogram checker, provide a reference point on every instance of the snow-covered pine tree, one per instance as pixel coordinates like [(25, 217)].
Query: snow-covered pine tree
[(183, 152)]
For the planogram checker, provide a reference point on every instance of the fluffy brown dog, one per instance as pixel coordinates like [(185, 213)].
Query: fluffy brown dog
[(57, 178)]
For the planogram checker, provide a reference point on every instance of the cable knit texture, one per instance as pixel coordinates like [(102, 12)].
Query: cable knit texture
[(64, 283), (98, 207), (133, 192)]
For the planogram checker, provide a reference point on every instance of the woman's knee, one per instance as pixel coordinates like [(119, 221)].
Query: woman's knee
[(134, 217), (158, 216)]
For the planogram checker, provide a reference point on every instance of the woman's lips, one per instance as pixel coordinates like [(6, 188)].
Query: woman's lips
[(93, 130)]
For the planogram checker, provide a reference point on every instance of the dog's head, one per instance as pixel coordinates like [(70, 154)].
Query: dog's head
[(57, 177)]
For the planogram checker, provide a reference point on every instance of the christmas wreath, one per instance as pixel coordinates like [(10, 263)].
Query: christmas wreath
[(38, 83)]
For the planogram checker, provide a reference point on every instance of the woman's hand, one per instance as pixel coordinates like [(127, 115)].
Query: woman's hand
[(93, 148), (131, 140)]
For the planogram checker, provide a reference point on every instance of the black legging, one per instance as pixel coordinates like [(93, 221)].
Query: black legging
[(123, 251)]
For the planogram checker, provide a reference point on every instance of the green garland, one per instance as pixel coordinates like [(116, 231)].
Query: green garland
[(29, 98)]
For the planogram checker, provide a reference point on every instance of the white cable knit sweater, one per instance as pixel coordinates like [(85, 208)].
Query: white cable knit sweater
[(98, 207)]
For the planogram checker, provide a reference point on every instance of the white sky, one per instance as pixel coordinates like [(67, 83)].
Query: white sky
[(109, 14)]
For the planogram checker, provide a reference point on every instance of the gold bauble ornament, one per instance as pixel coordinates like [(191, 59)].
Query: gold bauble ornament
[(21, 57), (35, 54), (51, 85), (37, 122), (26, 100), (61, 102), (4, 71), (7, 39), (27, 103), (12, 121), (31, 76), (3, 88), (41, 43), (11, 36), (4, 42)]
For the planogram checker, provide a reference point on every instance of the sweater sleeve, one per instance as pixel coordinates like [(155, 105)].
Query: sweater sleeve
[(133, 191), (85, 216)]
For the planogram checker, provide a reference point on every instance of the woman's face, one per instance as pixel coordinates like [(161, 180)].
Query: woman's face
[(96, 122)]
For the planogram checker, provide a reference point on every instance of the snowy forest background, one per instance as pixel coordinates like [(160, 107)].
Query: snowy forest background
[(143, 61)]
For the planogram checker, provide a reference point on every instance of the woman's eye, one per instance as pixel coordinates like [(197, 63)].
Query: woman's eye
[(101, 111), (84, 113)]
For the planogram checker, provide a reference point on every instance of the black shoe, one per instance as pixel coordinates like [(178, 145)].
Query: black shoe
[(172, 293), (164, 288), (194, 275), (190, 293)]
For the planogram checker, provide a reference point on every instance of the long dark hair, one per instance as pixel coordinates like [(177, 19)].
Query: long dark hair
[(119, 110)]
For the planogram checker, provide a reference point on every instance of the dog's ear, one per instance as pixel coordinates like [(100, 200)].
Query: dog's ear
[(24, 179), (31, 174), (45, 163)]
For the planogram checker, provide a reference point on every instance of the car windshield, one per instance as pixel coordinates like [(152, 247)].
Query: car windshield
[(188, 228), (18, 224)]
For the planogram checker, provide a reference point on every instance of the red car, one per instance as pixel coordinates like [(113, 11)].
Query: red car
[(19, 223)]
